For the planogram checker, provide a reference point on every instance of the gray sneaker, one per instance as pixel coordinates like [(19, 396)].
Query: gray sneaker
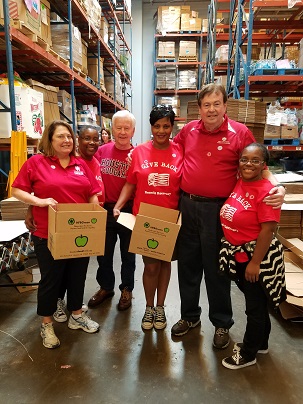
[(60, 315), (183, 326), (48, 335), (84, 323)]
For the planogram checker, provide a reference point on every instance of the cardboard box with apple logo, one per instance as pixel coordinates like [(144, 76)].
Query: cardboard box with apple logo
[(154, 231), (76, 230)]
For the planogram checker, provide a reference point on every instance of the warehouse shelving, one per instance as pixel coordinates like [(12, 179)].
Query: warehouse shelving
[(35, 59), (179, 65), (284, 27)]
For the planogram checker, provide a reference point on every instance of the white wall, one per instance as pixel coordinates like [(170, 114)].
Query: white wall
[(143, 47)]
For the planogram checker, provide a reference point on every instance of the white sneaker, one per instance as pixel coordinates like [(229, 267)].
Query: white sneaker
[(84, 323), (48, 335), (60, 315), (84, 308)]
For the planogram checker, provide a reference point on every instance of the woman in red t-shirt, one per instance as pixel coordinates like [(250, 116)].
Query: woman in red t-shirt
[(251, 254), (154, 175)]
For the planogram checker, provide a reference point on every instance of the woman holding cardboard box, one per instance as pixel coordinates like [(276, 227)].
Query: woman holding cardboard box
[(56, 175), (154, 176)]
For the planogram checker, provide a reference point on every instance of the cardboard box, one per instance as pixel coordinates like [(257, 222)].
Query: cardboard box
[(27, 277), (50, 100), (76, 230), (272, 132), (65, 104), (154, 231), (92, 64), (188, 48), (195, 24), (289, 132), (166, 49), (46, 34), (168, 18), (23, 14), (292, 308)]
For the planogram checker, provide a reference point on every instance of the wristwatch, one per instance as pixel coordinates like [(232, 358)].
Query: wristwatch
[(280, 185)]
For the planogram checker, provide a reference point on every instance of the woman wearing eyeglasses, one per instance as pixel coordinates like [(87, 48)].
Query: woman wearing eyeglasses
[(251, 254), (56, 175)]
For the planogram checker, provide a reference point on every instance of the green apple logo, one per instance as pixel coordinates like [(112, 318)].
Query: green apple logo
[(71, 221), (146, 225), (166, 229), (81, 241), (94, 220), (151, 243)]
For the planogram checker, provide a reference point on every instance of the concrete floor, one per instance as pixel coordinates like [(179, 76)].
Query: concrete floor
[(123, 364)]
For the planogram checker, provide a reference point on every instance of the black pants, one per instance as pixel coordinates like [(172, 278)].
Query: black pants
[(53, 273), (258, 322)]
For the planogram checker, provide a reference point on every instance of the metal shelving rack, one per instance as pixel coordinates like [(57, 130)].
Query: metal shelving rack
[(285, 26), (196, 64), (33, 61)]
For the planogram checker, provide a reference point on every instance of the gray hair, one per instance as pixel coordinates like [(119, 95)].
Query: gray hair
[(124, 114)]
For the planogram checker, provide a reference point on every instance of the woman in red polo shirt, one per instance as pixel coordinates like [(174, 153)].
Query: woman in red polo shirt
[(56, 175)]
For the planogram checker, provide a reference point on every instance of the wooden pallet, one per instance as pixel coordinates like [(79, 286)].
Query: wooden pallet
[(187, 59), (58, 57), (34, 38)]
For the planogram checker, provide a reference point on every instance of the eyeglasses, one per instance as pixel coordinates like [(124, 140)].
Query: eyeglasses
[(89, 139), (254, 162)]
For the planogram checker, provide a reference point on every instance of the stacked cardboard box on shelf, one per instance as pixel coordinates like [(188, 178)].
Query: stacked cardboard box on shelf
[(168, 19), (292, 308), (188, 49), (174, 102), (93, 11), (29, 110), (192, 111), (166, 78), (65, 105), (290, 224), (300, 62), (166, 49), (60, 38), (93, 69), (50, 100), (113, 85), (30, 18), (187, 79), (13, 209), (251, 113)]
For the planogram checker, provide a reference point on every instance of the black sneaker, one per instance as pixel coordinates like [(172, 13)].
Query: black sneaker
[(159, 318), (148, 318), (237, 361), (183, 326), (221, 338), (238, 346)]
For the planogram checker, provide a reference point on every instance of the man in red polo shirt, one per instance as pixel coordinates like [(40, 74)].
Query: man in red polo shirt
[(212, 148)]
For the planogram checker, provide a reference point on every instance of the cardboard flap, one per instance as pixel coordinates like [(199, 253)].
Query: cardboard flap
[(293, 244), (127, 219), (166, 214)]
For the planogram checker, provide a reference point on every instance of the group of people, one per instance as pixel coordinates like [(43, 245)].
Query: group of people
[(211, 170)]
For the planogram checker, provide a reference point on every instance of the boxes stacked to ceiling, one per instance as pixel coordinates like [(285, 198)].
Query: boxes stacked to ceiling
[(113, 85), (187, 79), (174, 102)]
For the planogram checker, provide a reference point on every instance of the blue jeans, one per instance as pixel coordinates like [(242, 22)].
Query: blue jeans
[(198, 247), (105, 273)]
